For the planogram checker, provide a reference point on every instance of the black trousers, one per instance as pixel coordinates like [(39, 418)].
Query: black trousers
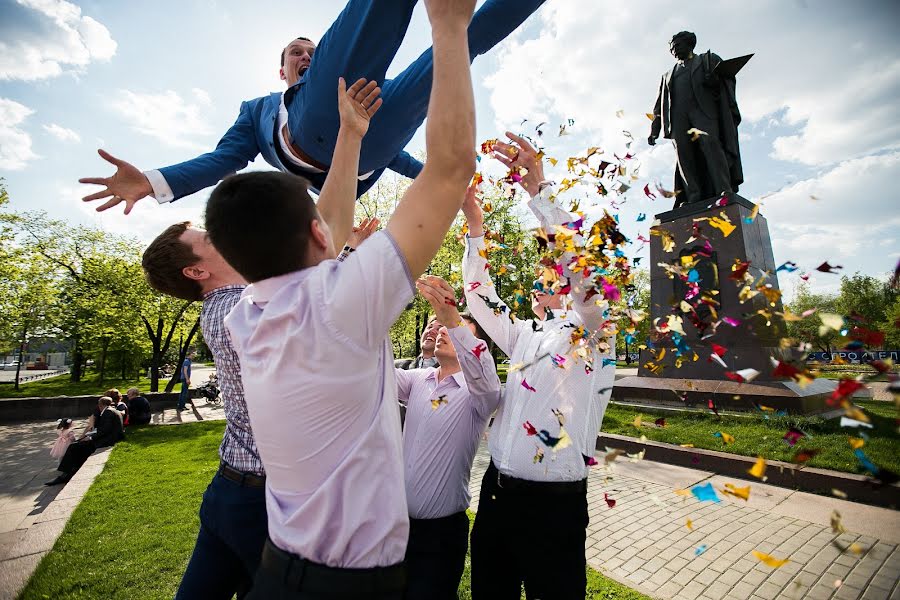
[(436, 556), (285, 576), (528, 536), (76, 455)]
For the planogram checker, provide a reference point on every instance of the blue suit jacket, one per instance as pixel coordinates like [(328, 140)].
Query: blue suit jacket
[(254, 133)]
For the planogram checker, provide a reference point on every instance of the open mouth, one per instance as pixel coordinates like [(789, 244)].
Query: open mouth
[(303, 69)]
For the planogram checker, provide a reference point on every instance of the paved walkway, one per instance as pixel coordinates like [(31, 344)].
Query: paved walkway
[(644, 542)]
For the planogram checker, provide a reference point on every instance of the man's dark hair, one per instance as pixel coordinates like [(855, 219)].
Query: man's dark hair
[(305, 39), (164, 260), (689, 37), (260, 223), (479, 332)]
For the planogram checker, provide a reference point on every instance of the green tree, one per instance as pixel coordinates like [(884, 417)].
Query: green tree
[(808, 330), (867, 298)]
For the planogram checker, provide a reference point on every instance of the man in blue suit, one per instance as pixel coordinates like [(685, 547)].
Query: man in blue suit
[(295, 131)]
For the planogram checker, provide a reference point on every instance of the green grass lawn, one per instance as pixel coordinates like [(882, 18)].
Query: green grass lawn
[(62, 385), (756, 436), (133, 533)]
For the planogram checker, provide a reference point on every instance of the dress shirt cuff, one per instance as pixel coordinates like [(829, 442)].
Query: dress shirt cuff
[(476, 243), (462, 336), (161, 190)]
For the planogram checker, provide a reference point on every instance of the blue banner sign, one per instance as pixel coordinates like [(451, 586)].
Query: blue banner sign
[(854, 355)]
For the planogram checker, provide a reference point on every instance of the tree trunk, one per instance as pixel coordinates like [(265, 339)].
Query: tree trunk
[(103, 350), (181, 356), (77, 359), (21, 355), (124, 354), (418, 341)]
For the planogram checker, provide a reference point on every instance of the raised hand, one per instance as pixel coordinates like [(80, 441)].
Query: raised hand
[(358, 104), (473, 212), (521, 154), (442, 299), (128, 184), (361, 233)]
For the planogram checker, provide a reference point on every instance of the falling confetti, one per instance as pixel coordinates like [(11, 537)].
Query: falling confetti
[(705, 493), (700, 550), (609, 501), (738, 492), (438, 401), (690, 525), (758, 470), (726, 438), (769, 560)]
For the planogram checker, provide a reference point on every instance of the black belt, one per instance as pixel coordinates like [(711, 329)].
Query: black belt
[(304, 575), (509, 483), (241, 478)]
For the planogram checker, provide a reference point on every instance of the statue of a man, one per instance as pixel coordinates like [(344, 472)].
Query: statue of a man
[(696, 108)]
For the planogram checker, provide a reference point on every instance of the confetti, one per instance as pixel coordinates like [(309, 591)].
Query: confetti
[(793, 436), (826, 268), (526, 386), (538, 455), (695, 133), (529, 428), (690, 525), (758, 470), (726, 438), (700, 550), (805, 455), (705, 493), (609, 501), (836, 525), (435, 403), (769, 560), (738, 492), (839, 493), (589, 461), (479, 349)]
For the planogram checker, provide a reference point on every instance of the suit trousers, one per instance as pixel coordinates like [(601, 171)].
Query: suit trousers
[(233, 529), (76, 455), (531, 537), (362, 42), (436, 556)]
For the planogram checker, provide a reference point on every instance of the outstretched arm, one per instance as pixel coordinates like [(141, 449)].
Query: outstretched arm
[(429, 206), (356, 107), (129, 185)]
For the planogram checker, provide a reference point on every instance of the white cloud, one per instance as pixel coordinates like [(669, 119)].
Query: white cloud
[(62, 133), (592, 59), (45, 38), (843, 216), (15, 143), (165, 116)]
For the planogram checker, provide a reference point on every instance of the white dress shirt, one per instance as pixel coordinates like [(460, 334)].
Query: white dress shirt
[(555, 378), (444, 423), (319, 383)]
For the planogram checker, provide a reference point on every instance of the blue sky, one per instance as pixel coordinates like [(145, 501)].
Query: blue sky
[(158, 82)]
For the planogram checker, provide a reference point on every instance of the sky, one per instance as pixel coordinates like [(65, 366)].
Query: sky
[(159, 82)]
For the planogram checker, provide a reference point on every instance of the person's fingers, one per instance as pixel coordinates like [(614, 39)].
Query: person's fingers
[(129, 204), (522, 142), (342, 86), (357, 85), (109, 157), (374, 108), (505, 159), (371, 97), (115, 200), (95, 180), (507, 149), (98, 195), (364, 90)]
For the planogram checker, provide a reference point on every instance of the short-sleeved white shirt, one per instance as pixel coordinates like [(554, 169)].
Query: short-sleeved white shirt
[(318, 377)]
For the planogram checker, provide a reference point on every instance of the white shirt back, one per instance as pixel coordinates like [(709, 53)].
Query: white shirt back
[(319, 383)]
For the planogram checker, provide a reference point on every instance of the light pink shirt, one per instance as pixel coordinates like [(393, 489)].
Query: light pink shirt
[(444, 423), (319, 383)]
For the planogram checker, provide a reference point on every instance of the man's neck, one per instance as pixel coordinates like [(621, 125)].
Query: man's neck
[(446, 370), (427, 355), (215, 283)]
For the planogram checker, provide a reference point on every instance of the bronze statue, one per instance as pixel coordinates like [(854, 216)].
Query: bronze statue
[(697, 109)]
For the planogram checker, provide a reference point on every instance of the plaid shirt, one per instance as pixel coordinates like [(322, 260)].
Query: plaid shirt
[(238, 448)]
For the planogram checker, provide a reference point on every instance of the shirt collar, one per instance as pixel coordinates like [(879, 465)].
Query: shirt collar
[(223, 289), (458, 377), (263, 291)]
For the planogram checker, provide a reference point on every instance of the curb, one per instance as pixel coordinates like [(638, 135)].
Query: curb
[(858, 488)]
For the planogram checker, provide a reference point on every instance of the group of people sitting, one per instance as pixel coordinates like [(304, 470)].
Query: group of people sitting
[(319, 492), (104, 427)]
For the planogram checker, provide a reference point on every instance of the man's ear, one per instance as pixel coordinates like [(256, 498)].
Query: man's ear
[(318, 237), (281, 74), (195, 272)]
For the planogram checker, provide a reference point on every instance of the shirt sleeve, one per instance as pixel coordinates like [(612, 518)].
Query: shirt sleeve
[(161, 189), (364, 297), (548, 213), (478, 368), (482, 300), (404, 385)]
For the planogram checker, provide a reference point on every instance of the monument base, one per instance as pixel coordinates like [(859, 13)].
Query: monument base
[(670, 392)]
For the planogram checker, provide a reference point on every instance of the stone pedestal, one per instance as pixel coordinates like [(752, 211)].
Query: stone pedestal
[(752, 344)]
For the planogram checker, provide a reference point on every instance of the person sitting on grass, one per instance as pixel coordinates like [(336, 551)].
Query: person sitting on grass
[(109, 431), (138, 407), (119, 404), (312, 338)]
